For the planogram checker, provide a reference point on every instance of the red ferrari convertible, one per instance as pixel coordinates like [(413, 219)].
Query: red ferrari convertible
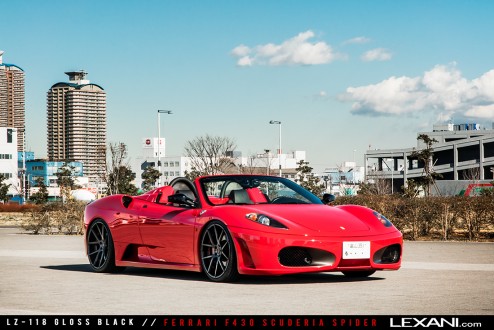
[(226, 225)]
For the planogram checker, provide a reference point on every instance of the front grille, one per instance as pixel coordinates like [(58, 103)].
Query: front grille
[(295, 257)]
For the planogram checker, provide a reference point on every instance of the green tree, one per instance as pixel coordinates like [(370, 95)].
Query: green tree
[(117, 174), (41, 196), (66, 180), (120, 181), (425, 157), (150, 175), (4, 188), (307, 179)]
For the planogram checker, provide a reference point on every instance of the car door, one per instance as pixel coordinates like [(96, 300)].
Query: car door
[(168, 232)]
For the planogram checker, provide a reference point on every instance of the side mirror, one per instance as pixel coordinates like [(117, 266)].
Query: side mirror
[(181, 199), (328, 198)]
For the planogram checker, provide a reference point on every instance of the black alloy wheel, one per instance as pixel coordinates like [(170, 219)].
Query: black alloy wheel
[(100, 249), (218, 259)]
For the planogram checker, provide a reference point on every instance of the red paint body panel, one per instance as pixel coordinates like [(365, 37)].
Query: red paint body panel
[(158, 235)]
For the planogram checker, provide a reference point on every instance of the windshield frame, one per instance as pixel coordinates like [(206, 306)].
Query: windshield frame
[(249, 181)]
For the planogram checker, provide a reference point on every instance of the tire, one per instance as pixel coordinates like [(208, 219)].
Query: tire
[(359, 273), (217, 253), (100, 248)]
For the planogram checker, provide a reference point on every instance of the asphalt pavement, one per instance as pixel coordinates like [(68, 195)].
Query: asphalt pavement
[(51, 275)]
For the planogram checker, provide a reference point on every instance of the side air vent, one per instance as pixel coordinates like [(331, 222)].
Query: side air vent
[(126, 200)]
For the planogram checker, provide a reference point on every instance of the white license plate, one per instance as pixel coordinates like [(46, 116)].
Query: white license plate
[(356, 250)]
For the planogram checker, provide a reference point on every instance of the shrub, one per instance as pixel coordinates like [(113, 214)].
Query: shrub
[(14, 207), (470, 218), (57, 218)]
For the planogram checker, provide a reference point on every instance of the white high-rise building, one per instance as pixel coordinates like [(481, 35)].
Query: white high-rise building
[(8, 159), (76, 123)]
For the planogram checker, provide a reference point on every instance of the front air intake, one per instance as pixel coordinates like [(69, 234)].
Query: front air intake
[(296, 256), (388, 255)]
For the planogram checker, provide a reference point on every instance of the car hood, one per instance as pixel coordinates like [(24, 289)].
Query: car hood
[(322, 219)]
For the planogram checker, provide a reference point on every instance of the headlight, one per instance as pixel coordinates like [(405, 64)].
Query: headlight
[(264, 220), (383, 219)]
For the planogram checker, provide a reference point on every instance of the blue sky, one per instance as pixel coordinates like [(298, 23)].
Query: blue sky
[(339, 75)]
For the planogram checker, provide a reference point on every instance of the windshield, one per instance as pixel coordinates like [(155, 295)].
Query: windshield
[(251, 189)]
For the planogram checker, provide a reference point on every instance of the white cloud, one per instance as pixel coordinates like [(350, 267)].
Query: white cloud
[(320, 96), (240, 51), (481, 112), (442, 90), (244, 61), (357, 40), (377, 54), (299, 50)]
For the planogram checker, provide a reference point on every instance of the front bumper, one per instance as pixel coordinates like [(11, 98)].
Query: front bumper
[(258, 253)]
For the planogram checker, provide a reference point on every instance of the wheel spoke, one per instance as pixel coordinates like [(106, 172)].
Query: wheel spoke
[(209, 267), (101, 258), (221, 265), (223, 253), (100, 230), (216, 267), (104, 237), (210, 238), (95, 260), (216, 235), (89, 254), (207, 257)]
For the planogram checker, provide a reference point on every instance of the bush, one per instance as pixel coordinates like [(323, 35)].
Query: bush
[(57, 218), (464, 218), (14, 207)]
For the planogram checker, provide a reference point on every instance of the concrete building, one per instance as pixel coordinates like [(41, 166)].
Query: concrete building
[(171, 168), (12, 104), (76, 123), (47, 170), (20, 157), (344, 179), (269, 163), (8, 160), (463, 152)]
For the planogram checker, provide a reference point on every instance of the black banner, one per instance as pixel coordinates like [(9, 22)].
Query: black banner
[(244, 321)]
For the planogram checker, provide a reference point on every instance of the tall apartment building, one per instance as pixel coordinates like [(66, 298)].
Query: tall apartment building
[(76, 122), (12, 105)]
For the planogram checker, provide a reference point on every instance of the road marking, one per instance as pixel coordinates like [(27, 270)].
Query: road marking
[(447, 266)]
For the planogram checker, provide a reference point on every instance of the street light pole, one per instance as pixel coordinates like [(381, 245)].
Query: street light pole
[(168, 112), (277, 122), (268, 165)]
